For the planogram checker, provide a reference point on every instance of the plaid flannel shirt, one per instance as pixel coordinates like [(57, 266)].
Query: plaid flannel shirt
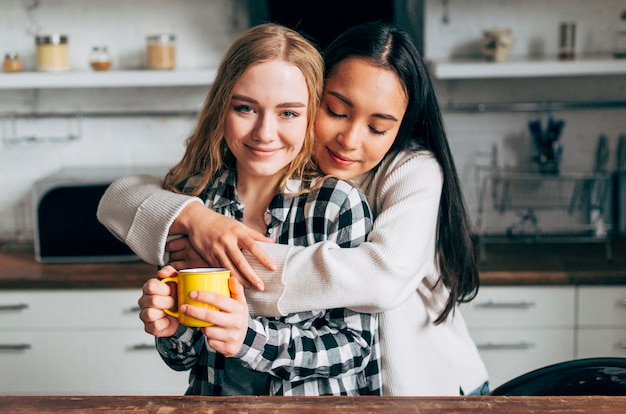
[(322, 352)]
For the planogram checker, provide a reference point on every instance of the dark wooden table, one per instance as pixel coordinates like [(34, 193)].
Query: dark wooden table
[(305, 405)]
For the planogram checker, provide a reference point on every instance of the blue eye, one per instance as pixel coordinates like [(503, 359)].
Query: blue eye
[(290, 114), (244, 108)]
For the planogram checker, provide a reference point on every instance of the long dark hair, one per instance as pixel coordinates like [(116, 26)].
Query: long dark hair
[(389, 47)]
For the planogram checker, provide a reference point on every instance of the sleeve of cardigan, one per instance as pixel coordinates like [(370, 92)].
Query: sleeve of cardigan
[(139, 212), (380, 273)]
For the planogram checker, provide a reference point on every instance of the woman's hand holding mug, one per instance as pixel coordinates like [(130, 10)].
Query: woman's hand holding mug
[(204, 300)]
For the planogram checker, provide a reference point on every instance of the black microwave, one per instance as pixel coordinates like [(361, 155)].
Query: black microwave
[(66, 229)]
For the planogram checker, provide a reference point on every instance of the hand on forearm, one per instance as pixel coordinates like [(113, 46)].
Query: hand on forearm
[(217, 241)]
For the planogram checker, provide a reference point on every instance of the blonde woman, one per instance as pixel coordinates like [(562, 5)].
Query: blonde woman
[(249, 158)]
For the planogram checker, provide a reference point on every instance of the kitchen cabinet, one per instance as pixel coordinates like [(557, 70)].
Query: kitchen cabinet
[(521, 328), (517, 329), (79, 342), (601, 321)]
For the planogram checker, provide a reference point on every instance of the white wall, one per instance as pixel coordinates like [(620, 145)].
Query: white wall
[(204, 29), (534, 25)]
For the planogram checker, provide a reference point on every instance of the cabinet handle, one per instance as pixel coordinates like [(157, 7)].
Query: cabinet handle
[(142, 347), (505, 346), (16, 307), (622, 344), (14, 347), (506, 305), (134, 309), (623, 301)]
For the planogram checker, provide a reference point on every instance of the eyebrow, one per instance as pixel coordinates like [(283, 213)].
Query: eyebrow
[(280, 105), (351, 105)]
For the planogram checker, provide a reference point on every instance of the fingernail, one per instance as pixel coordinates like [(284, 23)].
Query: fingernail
[(260, 286), (193, 294)]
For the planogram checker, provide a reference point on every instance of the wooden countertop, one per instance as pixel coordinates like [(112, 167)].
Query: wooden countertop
[(19, 270), (304, 405), (506, 264), (553, 264)]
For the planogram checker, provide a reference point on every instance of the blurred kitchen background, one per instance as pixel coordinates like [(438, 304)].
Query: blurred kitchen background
[(536, 140), (129, 116)]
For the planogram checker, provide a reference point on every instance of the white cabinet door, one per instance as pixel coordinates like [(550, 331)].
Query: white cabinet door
[(24, 309), (521, 306), (43, 362), (508, 353), (520, 328), (80, 342), (602, 321), (125, 362), (601, 343), (602, 306)]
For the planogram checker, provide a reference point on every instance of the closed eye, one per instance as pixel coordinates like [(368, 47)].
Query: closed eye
[(333, 113), (377, 131)]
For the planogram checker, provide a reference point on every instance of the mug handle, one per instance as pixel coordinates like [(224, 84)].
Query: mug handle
[(168, 311)]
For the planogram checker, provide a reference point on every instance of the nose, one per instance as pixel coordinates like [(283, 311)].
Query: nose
[(350, 137), (265, 129)]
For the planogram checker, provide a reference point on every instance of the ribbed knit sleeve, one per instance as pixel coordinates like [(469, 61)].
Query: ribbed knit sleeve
[(400, 252), (139, 212)]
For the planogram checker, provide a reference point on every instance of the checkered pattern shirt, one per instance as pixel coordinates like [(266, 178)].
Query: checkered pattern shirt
[(323, 352)]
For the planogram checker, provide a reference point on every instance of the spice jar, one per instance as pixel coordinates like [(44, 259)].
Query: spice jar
[(52, 52), (99, 58), (12, 63), (161, 51)]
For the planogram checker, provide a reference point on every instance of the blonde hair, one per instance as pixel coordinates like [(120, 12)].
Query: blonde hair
[(206, 151)]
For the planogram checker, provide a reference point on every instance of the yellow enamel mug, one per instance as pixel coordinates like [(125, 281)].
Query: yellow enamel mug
[(209, 279)]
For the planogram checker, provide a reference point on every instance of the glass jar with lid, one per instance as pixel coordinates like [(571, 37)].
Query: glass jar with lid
[(161, 51), (100, 58), (11, 63), (52, 52)]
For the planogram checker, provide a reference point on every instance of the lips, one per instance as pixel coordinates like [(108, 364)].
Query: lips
[(262, 152), (339, 159)]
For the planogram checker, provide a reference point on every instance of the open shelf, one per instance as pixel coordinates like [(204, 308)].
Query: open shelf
[(528, 68), (108, 79)]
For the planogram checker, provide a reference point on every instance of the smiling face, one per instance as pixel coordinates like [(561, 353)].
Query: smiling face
[(359, 117), (266, 120)]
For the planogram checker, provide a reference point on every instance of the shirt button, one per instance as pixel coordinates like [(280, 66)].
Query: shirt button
[(270, 231), (268, 218)]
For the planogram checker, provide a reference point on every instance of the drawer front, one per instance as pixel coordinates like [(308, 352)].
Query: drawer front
[(127, 363), (602, 306), (35, 309), (110, 308), (88, 309), (121, 362), (521, 307), (508, 353), (601, 343), (42, 363)]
